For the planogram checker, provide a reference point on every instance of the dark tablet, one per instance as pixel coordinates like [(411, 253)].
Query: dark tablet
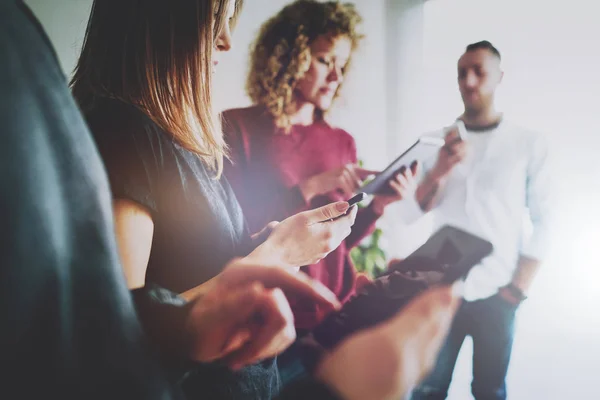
[(422, 150), (450, 250)]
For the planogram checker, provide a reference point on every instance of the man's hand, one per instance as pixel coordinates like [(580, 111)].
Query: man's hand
[(452, 153), (507, 296)]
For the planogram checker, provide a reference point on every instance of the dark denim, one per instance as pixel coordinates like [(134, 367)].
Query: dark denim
[(490, 322)]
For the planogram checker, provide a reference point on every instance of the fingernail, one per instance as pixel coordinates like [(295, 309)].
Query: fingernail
[(327, 294), (341, 206), (333, 301), (458, 288), (330, 296)]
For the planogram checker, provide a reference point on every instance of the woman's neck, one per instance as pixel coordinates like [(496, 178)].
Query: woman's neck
[(304, 115)]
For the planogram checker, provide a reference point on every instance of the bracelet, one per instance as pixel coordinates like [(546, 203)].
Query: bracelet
[(516, 292)]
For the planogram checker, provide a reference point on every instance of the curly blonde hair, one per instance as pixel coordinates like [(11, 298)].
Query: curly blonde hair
[(281, 55)]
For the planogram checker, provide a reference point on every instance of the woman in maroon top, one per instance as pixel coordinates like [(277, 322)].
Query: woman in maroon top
[(285, 156)]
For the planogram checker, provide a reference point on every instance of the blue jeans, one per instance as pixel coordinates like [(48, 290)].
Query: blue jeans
[(490, 322)]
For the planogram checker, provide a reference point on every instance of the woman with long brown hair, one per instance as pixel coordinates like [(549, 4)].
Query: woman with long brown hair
[(143, 82)]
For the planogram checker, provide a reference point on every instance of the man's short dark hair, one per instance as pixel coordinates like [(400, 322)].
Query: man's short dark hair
[(484, 44)]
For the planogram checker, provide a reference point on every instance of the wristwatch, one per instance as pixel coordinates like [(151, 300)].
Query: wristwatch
[(516, 292)]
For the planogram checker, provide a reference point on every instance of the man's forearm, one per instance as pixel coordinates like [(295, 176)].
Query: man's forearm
[(427, 192), (525, 273)]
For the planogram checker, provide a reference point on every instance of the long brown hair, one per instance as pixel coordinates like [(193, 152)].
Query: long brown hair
[(156, 55), (280, 55)]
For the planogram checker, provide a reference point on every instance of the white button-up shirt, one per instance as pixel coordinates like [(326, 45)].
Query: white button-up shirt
[(505, 173)]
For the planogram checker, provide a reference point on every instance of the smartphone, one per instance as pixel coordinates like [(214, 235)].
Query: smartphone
[(354, 200), (460, 128)]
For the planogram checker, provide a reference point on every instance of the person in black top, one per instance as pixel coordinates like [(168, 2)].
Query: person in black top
[(163, 155), (69, 326), (70, 329)]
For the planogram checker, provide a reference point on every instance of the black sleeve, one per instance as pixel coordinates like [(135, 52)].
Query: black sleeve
[(132, 155), (163, 315), (307, 389), (164, 312)]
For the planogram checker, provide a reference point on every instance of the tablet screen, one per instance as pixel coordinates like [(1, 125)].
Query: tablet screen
[(423, 150), (450, 250)]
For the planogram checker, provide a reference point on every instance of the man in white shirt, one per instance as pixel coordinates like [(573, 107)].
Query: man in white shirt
[(484, 184)]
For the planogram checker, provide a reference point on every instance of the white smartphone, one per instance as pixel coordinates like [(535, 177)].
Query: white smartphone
[(459, 126), (462, 129)]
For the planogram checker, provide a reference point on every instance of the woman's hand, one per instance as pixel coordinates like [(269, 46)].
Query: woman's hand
[(244, 316), (346, 179), (260, 237), (307, 237), (404, 185)]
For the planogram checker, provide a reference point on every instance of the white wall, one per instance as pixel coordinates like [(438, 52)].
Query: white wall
[(404, 23), (64, 22)]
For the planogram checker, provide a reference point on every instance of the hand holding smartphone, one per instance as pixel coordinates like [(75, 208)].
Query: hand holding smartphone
[(352, 202), (460, 136), (356, 199)]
